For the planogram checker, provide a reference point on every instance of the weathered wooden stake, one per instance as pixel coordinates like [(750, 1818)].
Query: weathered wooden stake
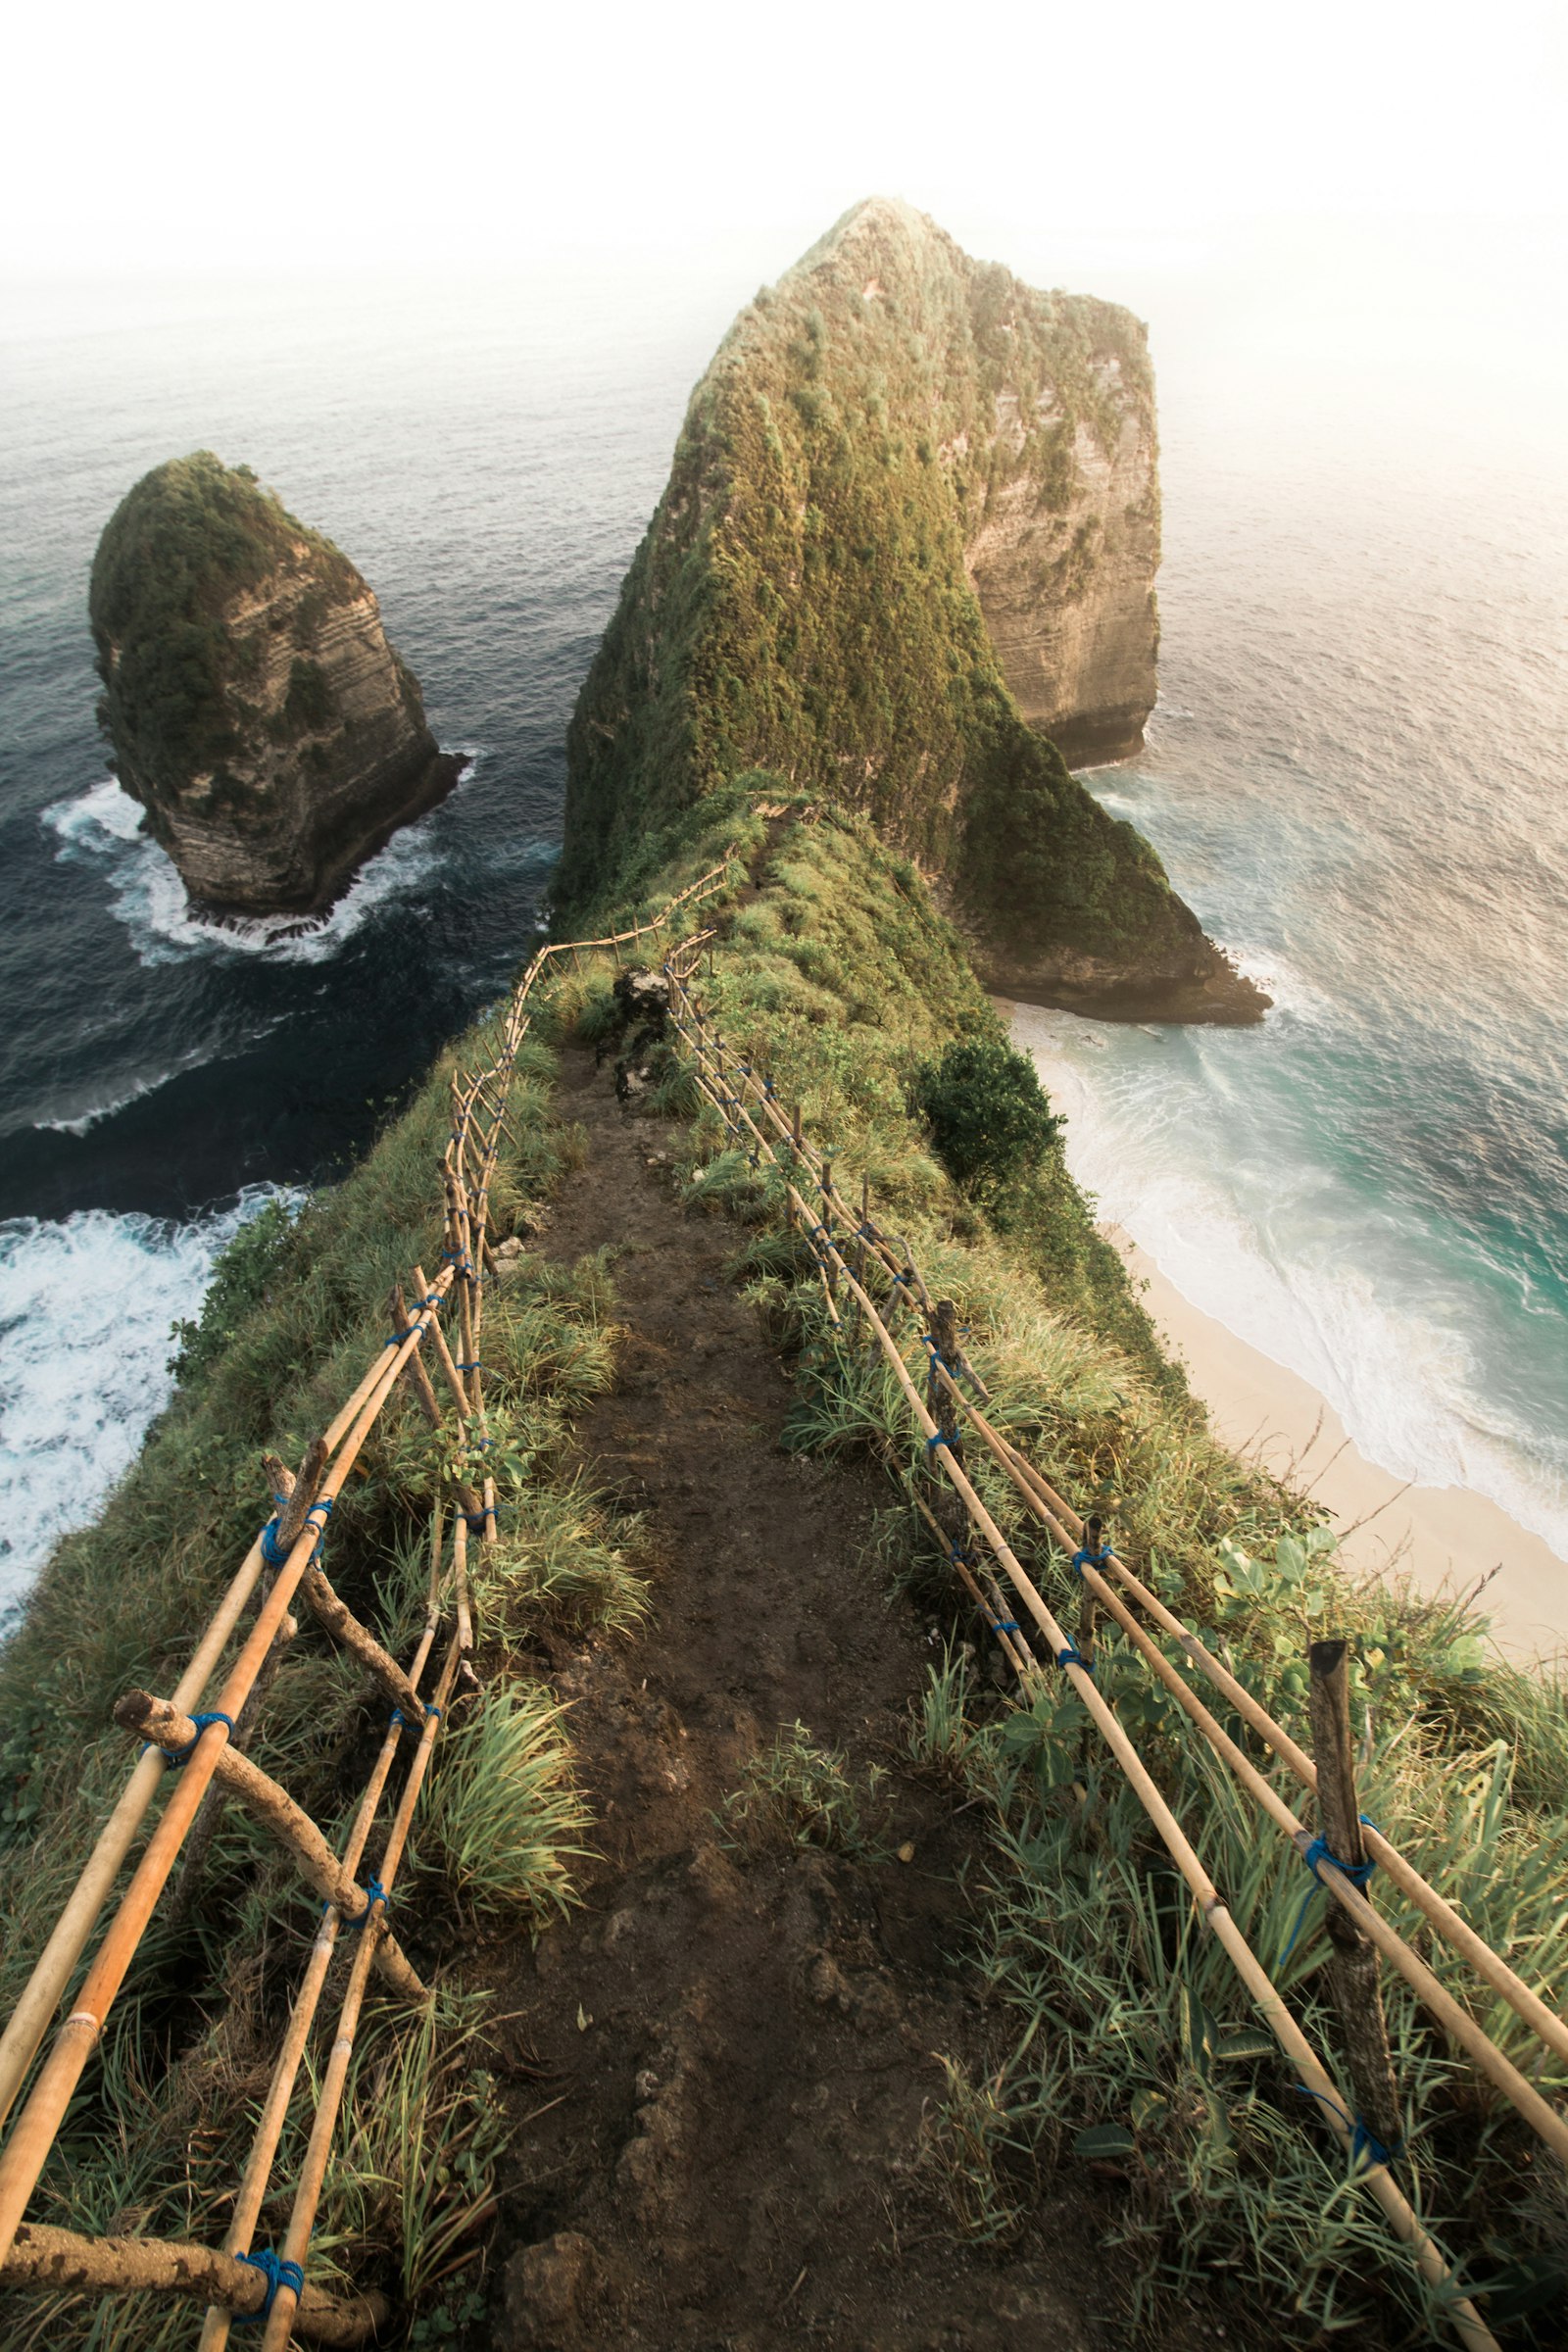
[(941, 1403), (58, 2260), (794, 1156), (1088, 1614), (1352, 1972), (272, 1806)]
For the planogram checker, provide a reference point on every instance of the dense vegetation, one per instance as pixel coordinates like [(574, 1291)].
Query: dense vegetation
[(1118, 2033), (296, 1311), (987, 1111), (801, 602), (172, 557), (1121, 2038)]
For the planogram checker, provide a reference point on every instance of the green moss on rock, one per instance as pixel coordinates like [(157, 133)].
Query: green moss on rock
[(802, 600)]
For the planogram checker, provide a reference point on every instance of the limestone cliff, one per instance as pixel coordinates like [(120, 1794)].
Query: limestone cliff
[(912, 507), (256, 709)]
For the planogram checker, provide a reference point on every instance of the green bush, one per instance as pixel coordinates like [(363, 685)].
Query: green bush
[(240, 1280), (989, 1117)]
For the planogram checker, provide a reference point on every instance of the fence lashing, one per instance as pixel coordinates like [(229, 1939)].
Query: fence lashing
[(1527, 2004), (1269, 2004), (283, 1562)]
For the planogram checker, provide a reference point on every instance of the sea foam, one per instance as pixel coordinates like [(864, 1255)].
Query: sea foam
[(1340, 1289), (86, 1304), (101, 827)]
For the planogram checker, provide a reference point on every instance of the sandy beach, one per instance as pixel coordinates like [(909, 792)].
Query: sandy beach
[(1448, 1539)]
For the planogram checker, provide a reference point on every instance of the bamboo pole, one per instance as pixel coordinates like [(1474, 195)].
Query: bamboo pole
[(460, 1396), (267, 1802), (312, 2171), (33, 2134), (252, 2190), (1463, 2028), (1269, 2004), (28, 2023), (459, 1578), (59, 2260), (1542, 2119), (1494, 1970)]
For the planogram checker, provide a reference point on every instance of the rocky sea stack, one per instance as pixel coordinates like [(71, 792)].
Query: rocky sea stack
[(905, 561), (256, 709)]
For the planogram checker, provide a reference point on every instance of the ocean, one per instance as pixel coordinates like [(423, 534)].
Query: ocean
[(1355, 774)]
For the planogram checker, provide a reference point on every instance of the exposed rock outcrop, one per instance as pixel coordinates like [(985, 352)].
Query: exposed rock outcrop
[(912, 508), (256, 709)]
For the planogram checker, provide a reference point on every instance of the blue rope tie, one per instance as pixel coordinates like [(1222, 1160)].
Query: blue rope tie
[(1364, 2142), (933, 1442), (476, 1521), (398, 1337), (437, 1712), (1073, 1657), (1314, 1855), (374, 1892), (1002, 1625), (272, 1551), (183, 1755), (277, 2272), (1089, 1559)]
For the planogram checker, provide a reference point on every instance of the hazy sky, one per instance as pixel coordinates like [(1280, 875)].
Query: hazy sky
[(309, 134)]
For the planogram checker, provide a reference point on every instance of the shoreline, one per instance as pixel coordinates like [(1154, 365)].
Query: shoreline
[(1447, 1540)]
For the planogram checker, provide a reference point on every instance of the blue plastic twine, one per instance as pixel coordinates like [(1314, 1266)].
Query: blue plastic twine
[(277, 2272), (1314, 1854), (183, 1755)]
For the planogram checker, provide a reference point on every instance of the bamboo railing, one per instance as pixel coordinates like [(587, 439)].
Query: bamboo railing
[(282, 1564), (850, 1250)]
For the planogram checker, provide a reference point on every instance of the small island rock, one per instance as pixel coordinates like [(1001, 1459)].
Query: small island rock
[(256, 709)]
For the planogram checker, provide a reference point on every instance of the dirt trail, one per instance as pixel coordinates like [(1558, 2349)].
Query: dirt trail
[(729, 2158)]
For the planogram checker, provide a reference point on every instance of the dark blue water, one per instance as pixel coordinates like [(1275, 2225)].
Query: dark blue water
[(489, 456)]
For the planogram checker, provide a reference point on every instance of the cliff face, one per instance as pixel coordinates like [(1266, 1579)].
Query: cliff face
[(1066, 544), (913, 507), (255, 707)]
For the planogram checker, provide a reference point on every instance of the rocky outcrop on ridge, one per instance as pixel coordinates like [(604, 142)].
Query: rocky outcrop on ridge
[(912, 524), (256, 709)]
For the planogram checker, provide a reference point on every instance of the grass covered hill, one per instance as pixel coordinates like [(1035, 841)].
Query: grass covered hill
[(1106, 2010), (804, 602)]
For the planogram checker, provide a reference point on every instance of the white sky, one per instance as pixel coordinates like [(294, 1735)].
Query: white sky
[(309, 134)]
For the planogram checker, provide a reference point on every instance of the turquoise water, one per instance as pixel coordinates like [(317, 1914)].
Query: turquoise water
[(1355, 774)]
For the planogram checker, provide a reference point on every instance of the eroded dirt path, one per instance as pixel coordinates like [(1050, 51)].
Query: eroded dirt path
[(737, 2049)]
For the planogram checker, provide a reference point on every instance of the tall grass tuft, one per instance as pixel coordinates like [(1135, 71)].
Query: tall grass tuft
[(503, 1813)]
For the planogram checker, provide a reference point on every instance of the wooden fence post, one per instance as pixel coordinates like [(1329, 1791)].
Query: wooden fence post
[(795, 1154), (1352, 1971)]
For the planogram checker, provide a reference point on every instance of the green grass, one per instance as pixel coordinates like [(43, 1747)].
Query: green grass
[(293, 1317), (801, 602), (1118, 2028), (799, 1794), (503, 1818)]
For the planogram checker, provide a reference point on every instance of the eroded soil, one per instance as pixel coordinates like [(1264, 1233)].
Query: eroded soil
[(724, 2058)]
